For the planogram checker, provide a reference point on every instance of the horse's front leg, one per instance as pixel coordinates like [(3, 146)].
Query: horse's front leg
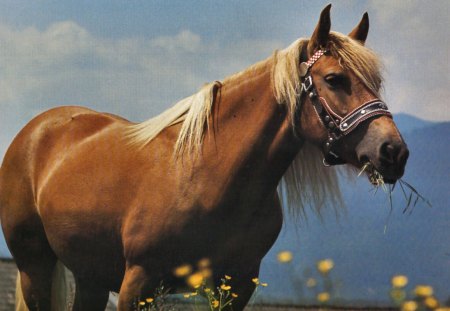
[(136, 281), (242, 285)]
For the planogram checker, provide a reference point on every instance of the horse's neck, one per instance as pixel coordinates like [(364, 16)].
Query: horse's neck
[(250, 143)]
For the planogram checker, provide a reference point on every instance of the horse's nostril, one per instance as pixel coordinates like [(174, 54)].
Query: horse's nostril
[(388, 152), (394, 153)]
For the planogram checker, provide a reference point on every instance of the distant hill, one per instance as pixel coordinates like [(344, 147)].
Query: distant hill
[(369, 242), (407, 123)]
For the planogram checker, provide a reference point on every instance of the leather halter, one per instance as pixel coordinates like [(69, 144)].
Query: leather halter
[(336, 125)]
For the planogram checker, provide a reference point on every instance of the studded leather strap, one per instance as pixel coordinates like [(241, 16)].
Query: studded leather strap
[(336, 125), (365, 111)]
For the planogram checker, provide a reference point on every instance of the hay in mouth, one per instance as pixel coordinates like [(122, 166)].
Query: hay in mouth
[(410, 194), (375, 177)]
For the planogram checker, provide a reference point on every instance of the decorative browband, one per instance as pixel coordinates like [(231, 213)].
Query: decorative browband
[(305, 66)]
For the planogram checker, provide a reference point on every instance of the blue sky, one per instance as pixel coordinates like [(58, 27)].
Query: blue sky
[(135, 58)]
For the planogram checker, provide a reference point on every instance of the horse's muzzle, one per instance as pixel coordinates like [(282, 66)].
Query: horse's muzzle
[(389, 159), (393, 157)]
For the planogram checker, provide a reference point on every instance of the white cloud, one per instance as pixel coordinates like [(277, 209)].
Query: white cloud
[(138, 78), (185, 41), (66, 65), (133, 77), (413, 37)]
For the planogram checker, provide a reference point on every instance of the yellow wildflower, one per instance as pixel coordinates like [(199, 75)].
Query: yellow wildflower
[(264, 284), (423, 290), (431, 303), (182, 271), (149, 300), (284, 256), (142, 303), (186, 295), (399, 281), (207, 290), (409, 305), (234, 295), (227, 277), (256, 281), (215, 303), (225, 287), (324, 266), (193, 294), (311, 282), (323, 297), (195, 280)]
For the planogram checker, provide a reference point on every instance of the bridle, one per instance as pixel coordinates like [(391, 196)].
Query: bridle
[(337, 126)]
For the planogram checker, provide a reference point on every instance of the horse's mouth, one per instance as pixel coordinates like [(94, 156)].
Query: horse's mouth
[(376, 178)]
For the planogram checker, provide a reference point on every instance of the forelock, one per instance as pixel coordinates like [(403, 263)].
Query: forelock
[(357, 58)]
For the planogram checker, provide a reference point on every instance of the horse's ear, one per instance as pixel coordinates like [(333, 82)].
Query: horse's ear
[(319, 37), (360, 31)]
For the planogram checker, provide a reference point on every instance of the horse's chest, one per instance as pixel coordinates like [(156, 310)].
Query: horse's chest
[(190, 236)]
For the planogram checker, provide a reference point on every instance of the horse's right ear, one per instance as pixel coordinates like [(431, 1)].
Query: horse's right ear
[(319, 37), (360, 32)]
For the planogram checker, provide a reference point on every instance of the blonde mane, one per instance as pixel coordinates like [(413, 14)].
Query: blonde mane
[(307, 182)]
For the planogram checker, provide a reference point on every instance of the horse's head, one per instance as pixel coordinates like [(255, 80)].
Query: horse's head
[(341, 110)]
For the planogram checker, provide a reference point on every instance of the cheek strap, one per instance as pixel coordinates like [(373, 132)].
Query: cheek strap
[(337, 126)]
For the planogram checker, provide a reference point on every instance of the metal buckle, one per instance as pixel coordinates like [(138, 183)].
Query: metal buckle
[(307, 84)]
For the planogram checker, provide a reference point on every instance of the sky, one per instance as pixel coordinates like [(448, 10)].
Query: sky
[(136, 58)]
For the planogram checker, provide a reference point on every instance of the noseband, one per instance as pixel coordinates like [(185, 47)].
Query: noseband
[(336, 125)]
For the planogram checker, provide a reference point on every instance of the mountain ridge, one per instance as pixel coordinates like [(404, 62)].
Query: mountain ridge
[(370, 242), (406, 122)]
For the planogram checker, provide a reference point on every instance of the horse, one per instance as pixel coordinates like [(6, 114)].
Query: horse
[(122, 204)]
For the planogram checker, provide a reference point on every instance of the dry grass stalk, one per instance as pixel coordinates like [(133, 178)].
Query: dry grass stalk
[(377, 180)]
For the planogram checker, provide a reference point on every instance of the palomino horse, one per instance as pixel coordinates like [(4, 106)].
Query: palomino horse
[(121, 204)]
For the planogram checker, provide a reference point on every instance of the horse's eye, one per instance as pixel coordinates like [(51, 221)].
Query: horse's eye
[(335, 80)]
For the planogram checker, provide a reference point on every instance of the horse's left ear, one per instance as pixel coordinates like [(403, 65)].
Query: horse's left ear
[(360, 31), (319, 37)]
